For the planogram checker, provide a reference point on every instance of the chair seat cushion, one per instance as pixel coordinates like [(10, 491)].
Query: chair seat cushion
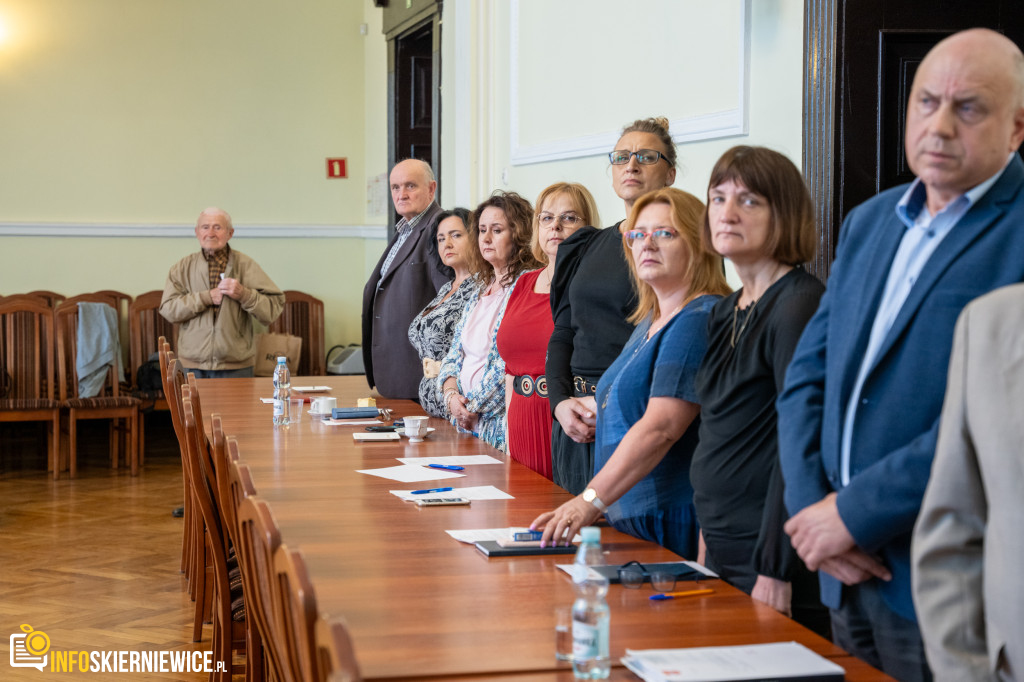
[(28, 404), (101, 402)]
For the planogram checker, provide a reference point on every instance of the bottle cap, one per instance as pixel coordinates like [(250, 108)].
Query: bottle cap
[(282, 360), (591, 534)]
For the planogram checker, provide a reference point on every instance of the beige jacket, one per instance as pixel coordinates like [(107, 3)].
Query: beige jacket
[(968, 546), (224, 340)]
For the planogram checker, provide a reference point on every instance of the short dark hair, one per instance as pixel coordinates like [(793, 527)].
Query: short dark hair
[(462, 214), (792, 238), (519, 214)]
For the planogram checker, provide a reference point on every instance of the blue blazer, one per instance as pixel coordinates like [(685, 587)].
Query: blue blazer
[(897, 419)]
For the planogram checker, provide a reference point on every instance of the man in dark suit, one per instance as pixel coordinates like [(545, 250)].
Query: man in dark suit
[(405, 280), (858, 417)]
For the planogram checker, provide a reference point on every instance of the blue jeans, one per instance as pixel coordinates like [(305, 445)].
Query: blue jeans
[(220, 373), (674, 529), (866, 627)]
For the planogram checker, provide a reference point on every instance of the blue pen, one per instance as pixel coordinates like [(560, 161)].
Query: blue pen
[(430, 490), (446, 467)]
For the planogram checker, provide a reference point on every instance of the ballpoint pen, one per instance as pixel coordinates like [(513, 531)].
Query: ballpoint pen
[(429, 490), (687, 593), (446, 467)]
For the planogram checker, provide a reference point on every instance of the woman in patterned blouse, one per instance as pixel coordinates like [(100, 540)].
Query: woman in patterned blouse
[(472, 376), (431, 331)]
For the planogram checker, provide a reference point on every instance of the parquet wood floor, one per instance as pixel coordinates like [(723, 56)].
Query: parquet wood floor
[(94, 562)]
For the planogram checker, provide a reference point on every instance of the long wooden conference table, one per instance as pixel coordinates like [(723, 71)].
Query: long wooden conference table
[(419, 604)]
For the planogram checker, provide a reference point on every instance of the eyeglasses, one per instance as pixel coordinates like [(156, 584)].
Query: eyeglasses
[(645, 157), (566, 219), (633, 574), (658, 237)]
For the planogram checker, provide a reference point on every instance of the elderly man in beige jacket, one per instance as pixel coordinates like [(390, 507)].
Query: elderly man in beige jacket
[(215, 294)]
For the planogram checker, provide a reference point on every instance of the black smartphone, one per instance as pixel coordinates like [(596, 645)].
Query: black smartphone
[(381, 429)]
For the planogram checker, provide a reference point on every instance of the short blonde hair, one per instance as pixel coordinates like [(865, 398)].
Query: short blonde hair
[(582, 202), (704, 274)]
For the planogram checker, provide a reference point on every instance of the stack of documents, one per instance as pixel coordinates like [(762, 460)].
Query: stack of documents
[(777, 661)]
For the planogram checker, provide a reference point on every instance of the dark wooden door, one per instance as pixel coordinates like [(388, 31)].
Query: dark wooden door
[(414, 95), (854, 132)]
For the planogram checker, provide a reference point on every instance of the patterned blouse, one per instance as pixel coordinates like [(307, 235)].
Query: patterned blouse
[(431, 334), (487, 399)]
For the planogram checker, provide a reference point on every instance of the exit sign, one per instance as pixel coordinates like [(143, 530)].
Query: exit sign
[(336, 168)]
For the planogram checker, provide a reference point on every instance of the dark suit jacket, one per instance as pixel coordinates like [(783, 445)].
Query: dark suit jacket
[(897, 419), (389, 305)]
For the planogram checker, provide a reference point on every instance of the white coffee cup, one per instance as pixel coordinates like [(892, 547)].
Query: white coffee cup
[(323, 405), (415, 427)]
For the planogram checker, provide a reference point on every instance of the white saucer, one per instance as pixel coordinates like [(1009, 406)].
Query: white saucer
[(401, 432)]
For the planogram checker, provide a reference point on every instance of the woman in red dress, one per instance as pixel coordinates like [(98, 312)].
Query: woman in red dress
[(523, 336)]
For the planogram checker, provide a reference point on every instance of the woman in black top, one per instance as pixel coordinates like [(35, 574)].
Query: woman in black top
[(591, 297), (759, 216)]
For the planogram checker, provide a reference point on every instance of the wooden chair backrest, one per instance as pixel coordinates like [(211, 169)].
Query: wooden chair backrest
[(296, 604), (303, 316), (26, 349), (146, 326), (53, 299), (174, 381), (335, 656), (258, 541), (67, 346), (197, 460)]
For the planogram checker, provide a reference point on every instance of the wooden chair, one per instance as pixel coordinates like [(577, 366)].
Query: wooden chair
[(27, 387), (228, 614), (259, 539), (199, 568), (296, 604), (303, 316), (110, 404), (335, 656), (123, 303), (164, 357), (145, 327)]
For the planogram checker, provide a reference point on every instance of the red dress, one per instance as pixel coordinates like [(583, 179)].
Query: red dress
[(523, 345)]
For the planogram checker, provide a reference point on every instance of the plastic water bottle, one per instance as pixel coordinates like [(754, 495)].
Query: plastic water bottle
[(590, 615), (282, 392)]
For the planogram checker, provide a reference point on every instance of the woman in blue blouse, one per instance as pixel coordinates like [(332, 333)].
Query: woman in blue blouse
[(648, 415), (472, 375)]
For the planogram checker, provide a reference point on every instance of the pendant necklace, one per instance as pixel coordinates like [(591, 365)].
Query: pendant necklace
[(736, 334)]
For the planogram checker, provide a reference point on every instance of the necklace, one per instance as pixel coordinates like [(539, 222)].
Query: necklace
[(651, 331), (735, 312)]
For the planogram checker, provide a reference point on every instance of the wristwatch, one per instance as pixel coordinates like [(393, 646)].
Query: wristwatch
[(590, 495)]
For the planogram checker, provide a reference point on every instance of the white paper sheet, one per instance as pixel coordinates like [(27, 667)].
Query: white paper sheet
[(351, 422), (479, 492), (407, 473), (779, 660), (473, 536), (567, 568), (456, 460)]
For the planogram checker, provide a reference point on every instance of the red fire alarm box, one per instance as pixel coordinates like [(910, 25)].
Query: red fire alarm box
[(336, 168)]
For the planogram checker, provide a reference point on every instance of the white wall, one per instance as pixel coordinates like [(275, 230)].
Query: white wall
[(588, 67)]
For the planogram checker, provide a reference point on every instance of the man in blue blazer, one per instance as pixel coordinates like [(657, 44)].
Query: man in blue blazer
[(858, 417)]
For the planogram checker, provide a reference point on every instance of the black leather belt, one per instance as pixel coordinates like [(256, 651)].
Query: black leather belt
[(526, 385), (583, 386)]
